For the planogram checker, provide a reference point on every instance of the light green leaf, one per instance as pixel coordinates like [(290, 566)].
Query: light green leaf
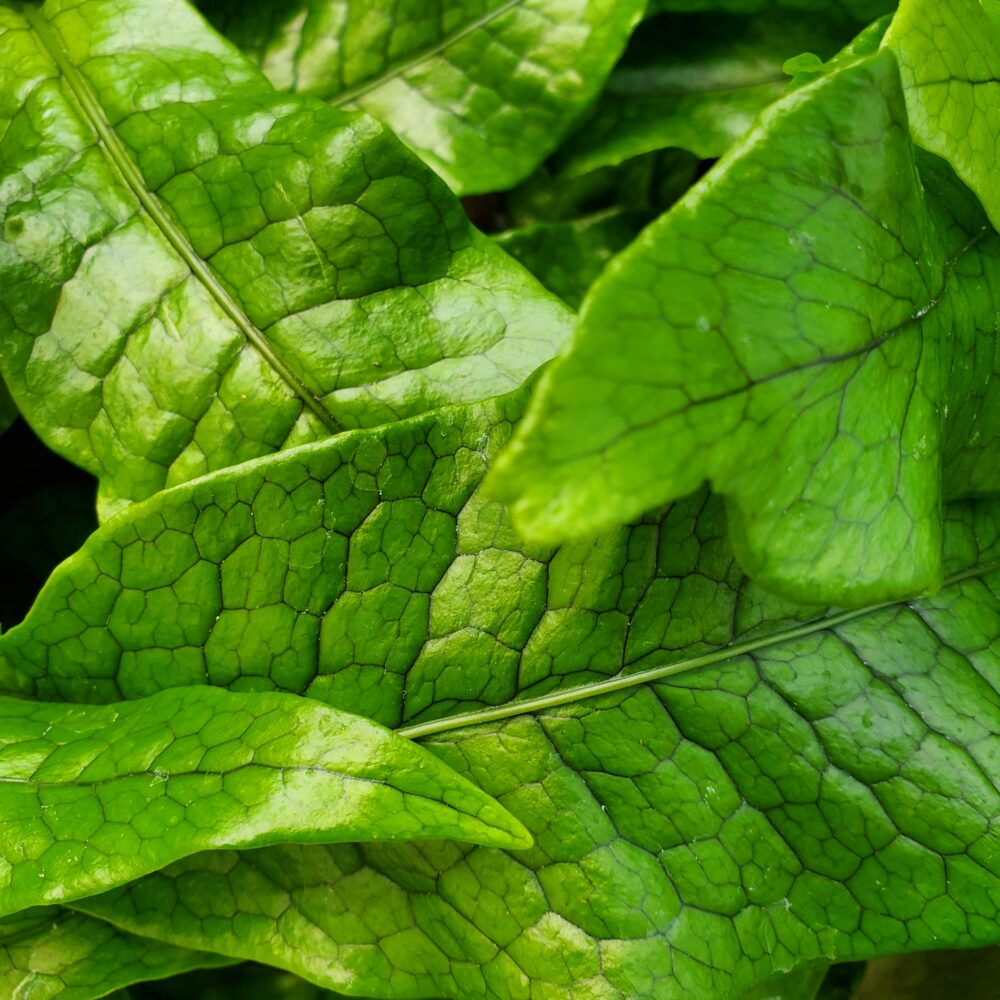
[(949, 60), (359, 571), (92, 797), (817, 790), (695, 82), (49, 952), (810, 331), (483, 90), (197, 273)]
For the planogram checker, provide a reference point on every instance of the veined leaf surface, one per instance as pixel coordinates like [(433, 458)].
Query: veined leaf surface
[(695, 830), (949, 59), (50, 952), (693, 834), (696, 83), (200, 270), (483, 90), (94, 796), (807, 329)]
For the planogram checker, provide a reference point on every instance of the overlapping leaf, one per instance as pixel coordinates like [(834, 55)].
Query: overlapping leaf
[(696, 83), (92, 797), (483, 90), (807, 330), (949, 59), (196, 270), (51, 952), (695, 831)]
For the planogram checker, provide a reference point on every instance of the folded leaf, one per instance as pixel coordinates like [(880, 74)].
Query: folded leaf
[(52, 952), (697, 83), (949, 60), (826, 791), (482, 90), (802, 330), (92, 797), (196, 269)]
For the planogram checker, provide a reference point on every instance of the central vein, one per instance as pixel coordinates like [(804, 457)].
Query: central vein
[(132, 177), (622, 682)]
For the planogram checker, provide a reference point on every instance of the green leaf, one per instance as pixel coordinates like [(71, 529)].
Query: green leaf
[(819, 787), (52, 952), (949, 60), (92, 797), (800, 984), (353, 571), (695, 82), (197, 273), (483, 90), (807, 318), (567, 257), (824, 791), (648, 184)]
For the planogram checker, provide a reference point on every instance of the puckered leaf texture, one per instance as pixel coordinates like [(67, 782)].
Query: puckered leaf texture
[(821, 787), (483, 90), (807, 329), (92, 797), (196, 270)]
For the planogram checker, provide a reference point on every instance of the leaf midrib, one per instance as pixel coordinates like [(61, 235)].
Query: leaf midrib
[(351, 94), (123, 164), (621, 682)]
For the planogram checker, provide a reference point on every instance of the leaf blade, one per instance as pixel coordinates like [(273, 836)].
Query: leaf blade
[(153, 240), (93, 797)]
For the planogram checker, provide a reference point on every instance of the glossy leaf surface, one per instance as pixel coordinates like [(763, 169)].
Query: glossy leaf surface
[(200, 270), (949, 59), (821, 787), (482, 89), (92, 797), (809, 329), (696, 831)]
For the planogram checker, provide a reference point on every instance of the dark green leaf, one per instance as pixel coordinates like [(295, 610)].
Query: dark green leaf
[(51, 952), (695, 82), (567, 257), (483, 90)]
